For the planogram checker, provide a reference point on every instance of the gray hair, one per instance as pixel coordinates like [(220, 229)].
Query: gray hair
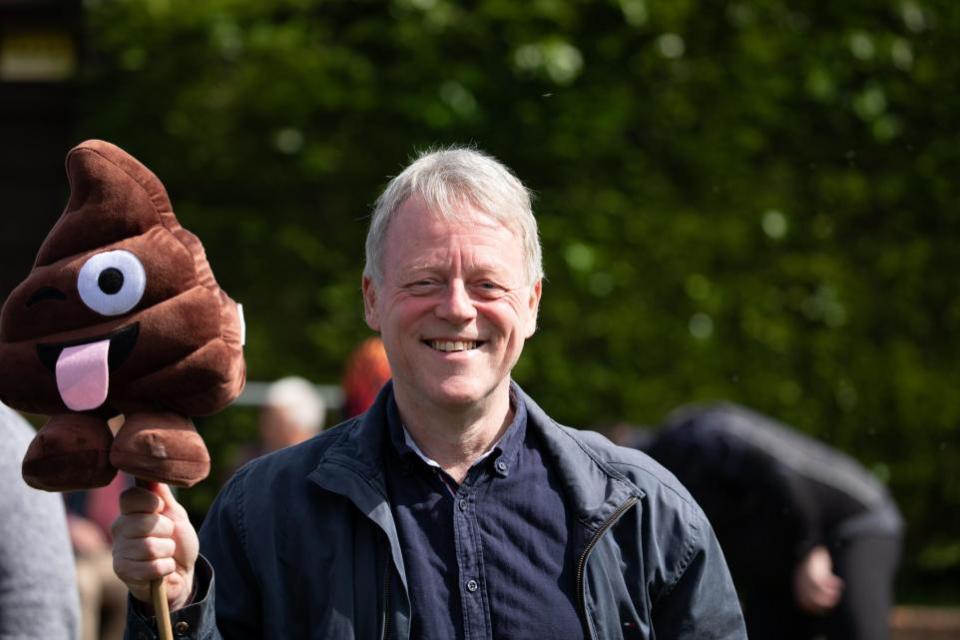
[(446, 179), (300, 398)]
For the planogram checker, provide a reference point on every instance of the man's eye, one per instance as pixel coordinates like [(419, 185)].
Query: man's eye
[(421, 286), (489, 289)]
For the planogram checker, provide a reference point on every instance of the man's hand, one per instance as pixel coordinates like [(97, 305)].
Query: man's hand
[(815, 587), (153, 538)]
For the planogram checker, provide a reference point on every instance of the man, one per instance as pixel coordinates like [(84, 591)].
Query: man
[(812, 538), (454, 507), (293, 411), (38, 589)]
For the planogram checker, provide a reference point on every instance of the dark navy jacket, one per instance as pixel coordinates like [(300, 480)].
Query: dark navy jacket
[(304, 545)]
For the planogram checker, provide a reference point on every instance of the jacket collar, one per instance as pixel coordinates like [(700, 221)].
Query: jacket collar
[(592, 488), (360, 447), (352, 467)]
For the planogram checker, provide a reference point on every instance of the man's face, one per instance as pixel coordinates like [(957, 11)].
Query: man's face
[(454, 307)]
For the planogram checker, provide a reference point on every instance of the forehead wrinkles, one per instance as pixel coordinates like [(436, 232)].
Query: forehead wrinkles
[(424, 238), (464, 262), (460, 214)]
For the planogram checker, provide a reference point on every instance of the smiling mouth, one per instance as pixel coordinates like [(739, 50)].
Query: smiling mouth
[(454, 346)]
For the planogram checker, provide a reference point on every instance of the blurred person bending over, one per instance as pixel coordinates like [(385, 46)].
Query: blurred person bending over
[(38, 591), (811, 537), (454, 507)]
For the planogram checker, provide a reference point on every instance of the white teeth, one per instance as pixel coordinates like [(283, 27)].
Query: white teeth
[(447, 345)]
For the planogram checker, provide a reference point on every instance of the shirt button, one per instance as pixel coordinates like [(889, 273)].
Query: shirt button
[(462, 504), (472, 585), (181, 627), (501, 466)]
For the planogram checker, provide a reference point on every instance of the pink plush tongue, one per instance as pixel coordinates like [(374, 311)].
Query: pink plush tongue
[(83, 375)]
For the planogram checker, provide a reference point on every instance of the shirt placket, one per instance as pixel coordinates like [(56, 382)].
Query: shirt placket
[(466, 527)]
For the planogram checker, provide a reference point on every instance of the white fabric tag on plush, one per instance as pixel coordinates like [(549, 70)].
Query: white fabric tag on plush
[(243, 325)]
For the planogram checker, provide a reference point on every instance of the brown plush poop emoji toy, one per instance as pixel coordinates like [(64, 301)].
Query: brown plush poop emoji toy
[(120, 315)]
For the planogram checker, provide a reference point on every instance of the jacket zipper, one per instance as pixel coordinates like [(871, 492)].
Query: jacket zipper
[(386, 601), (581, 564)]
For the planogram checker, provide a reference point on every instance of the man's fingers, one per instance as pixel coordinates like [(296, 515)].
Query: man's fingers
[(152, 539), (165, 493), (140, 500), (143, 571), (142, 526), (151, 548)]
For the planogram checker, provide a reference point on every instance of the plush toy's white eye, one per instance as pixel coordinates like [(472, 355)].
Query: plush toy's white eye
[(112, 282)]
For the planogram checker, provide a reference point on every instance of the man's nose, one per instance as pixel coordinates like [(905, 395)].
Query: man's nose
[(456, 305)]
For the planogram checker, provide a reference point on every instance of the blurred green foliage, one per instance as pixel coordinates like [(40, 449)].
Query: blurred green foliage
[(754, 200)]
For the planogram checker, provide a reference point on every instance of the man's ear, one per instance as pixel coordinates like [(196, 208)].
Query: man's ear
[(370, 303), (534, 306)]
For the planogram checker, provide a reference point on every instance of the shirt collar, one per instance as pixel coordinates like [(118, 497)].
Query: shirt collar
[(504, 450)]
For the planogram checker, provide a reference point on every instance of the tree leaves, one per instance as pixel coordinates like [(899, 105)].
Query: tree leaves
[(753, 201)]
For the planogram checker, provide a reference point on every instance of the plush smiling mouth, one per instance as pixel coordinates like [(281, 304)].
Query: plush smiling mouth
[(453, 346), (82, 367)]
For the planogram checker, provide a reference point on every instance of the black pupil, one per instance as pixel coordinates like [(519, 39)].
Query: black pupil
[(110, 280)]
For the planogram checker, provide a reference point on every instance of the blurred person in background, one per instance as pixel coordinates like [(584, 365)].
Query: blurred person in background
[(367, 371), (38, 590), (103, 597), (454, 507), (293, 411), (811, 537)]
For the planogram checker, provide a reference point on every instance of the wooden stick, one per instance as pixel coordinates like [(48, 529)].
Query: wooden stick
[(158, 591), (161, 610)]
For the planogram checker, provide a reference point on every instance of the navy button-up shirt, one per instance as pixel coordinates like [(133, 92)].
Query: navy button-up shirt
[(491, 557)]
